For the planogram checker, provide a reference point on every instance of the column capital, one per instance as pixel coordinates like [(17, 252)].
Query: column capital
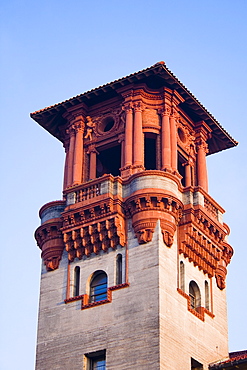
[(70, 130), (190, 162), (79, 126), (92, 149), (201, 144), (138, 106), (127, 107), (165, 111), (121, 137)]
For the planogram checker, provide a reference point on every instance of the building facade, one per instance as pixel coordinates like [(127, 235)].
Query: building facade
[(135, 255)]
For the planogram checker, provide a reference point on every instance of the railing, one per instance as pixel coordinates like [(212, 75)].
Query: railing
[(87, 192), (92, 189), (210, 207)]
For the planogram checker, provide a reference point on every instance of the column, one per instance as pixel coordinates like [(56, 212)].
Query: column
[(93, 161), (165, 140), (138, 143), (65, 177), (173, 133), (78, 154), (202, 176), (187, 174), (71, 133), (128, 137), (121, 141)]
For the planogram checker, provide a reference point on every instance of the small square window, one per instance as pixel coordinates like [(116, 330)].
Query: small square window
[(98, 364), (96, 360)]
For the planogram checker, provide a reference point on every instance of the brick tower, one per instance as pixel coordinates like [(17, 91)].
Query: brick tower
[(135, 254)]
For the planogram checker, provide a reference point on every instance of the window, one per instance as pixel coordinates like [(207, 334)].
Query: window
[(109, 161), (181, 285), (76, 281), (195, 365), (96, 360), (119, 273), (206, 295), (98, 364), (98, 287), (195, 296), (150, 151), (181, 167)]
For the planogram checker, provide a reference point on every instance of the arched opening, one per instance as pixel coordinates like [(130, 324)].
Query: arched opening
[(76, 291), (182, 277), (150, 151), (98, 287), (206, 295), (119, 269), (195, 295)]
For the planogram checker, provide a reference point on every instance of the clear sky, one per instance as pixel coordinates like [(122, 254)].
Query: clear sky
[(53, 50)]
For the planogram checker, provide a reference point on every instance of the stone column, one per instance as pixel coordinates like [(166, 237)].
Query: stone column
[(78, 154), (165, 140), (173, 133), (187, 174), (138, 144), (65, 178), (128, 137), (71, 133), (93, 160), (121, 141), (202, 176)]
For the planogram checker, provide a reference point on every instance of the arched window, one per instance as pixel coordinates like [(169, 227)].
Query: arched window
[(181, 280), (98, 286), (195, 295), (206, 295), (119, 269), (76, 281)]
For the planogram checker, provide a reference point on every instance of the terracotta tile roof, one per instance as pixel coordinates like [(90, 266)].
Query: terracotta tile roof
[(44, 116), (235, 358)]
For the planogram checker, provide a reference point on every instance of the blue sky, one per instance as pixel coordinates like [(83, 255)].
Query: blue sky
[(53, 50)]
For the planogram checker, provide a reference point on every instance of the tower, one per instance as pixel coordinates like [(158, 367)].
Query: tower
[(135, 254)]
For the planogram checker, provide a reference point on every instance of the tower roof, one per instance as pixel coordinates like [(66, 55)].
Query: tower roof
[(155, 77)]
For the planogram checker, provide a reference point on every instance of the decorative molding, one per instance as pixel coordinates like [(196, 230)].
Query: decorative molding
[(85, 297), (202, 241), (146, 209), (94, 237), (200, 311), (50, 240)]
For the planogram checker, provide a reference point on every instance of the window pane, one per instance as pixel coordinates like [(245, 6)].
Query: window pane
[(99, 365), (98, 291)]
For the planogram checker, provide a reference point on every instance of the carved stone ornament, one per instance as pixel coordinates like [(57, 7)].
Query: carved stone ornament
[(146, 210), (52, 263), (186, 137), (150, 118), (108, 233), (90, 128), (50, 241), (220, 275), (115, 115)]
